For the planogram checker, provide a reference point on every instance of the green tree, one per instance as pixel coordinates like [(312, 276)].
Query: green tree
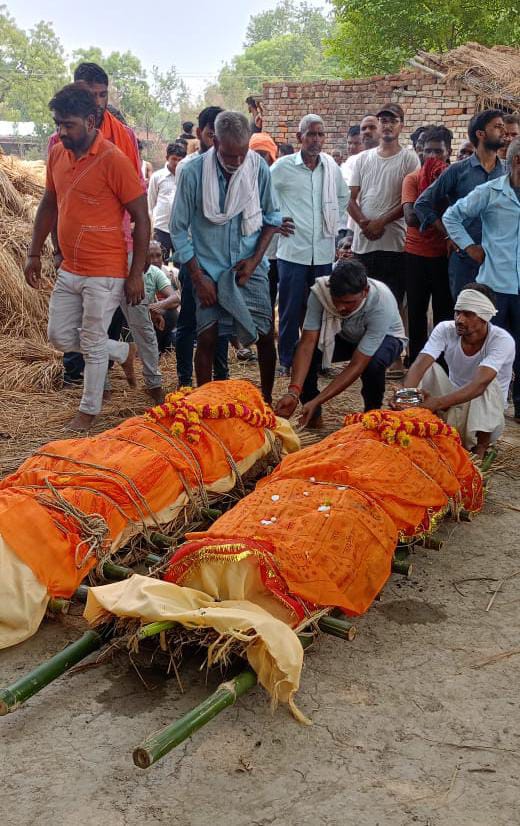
[(152, 106), (284, 43), (32, 67), (378, 36)]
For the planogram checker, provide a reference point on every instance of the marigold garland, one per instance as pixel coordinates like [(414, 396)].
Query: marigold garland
[(392, 429), (186, 417)]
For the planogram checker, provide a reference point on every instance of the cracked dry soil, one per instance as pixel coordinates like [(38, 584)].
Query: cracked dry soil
[(411, 725)]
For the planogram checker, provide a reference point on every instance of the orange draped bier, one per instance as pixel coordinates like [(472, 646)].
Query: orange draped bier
[(323, 527), (134, 473)]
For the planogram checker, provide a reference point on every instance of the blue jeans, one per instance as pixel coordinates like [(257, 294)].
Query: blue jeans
[(187, 333), (462, 269), (508, 317), (372, 378), (294, 283)]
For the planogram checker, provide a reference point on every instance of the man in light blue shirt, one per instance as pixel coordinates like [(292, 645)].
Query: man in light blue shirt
[(486, 133), (311, 190), (497, 205), (223, 217)]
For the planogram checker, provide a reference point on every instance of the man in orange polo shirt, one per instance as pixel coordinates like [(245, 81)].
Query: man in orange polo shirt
[(89, 185), (426, 253)]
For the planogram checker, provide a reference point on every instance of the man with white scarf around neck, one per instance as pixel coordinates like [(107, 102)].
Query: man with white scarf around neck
[(349, 318), (479, 356), (223, 218)]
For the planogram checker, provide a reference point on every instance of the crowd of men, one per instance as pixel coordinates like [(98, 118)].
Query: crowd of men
[(350, 250)]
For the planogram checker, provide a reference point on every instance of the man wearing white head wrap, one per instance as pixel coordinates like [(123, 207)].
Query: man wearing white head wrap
[(480, 359), (496, 205)]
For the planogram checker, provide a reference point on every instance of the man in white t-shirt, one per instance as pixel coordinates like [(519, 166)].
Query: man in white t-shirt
[(375, 202), (480, 359), (360, 137)]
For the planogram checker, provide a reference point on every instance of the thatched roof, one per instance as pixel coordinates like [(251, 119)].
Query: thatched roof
[(493, 74)]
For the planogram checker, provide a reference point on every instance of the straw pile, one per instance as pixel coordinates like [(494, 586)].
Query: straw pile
[(493, 74), (28, 365), (23, 311)]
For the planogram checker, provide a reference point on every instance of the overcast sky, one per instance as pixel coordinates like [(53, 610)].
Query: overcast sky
[(196, 37)]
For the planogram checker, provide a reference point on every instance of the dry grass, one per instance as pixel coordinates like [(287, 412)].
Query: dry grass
[(23, 311), (29, 365), (492, 73)]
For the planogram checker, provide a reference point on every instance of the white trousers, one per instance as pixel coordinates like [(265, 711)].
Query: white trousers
[(485, 414), (80, 312)]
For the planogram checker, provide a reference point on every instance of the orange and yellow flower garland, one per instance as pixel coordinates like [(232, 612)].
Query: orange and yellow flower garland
[(391, 428), (186, 418)]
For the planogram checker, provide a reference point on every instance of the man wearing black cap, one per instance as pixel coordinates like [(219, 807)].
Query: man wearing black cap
[(375, 202)]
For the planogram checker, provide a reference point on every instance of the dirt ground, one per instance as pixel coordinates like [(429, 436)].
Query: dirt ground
[(414, 722)]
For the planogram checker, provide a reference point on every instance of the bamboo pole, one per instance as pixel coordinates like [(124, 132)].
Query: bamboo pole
[(81, 593), (432, 543), (160, 539), (153, 559), (154, 628), (113, 571), (58, 605), (28, 685), (488, 460), (163, 741), (402, 566), (337, 627)]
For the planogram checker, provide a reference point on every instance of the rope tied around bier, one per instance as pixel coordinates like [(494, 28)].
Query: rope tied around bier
[(92, 528)]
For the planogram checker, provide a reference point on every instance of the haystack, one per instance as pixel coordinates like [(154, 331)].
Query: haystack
[(23, 311), (493, 74)]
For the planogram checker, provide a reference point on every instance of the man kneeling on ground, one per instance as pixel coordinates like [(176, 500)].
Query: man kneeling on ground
[(349, 317), (480, 359)]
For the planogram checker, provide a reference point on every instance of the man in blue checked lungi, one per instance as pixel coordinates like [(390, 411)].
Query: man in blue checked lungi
[(223, 217)]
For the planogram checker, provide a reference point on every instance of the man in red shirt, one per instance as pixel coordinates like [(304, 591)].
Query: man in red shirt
[(426, 253), (89, 185)]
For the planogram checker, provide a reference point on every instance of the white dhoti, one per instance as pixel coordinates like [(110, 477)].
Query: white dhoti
[(485, 414)]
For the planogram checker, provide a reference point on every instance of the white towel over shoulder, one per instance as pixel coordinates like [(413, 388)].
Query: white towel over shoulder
[(330, 322), (329, 197), (242, 197)]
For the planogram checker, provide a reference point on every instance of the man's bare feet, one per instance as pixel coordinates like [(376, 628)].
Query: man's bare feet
[(479, 450), (81, 422), (157, 394), (129, 365)]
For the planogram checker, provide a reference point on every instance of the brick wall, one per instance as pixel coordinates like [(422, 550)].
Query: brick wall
[(341, 103)]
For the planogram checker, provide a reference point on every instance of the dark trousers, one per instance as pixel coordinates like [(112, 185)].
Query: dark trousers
[(372, 378), (165, 337), (387, 267), (165, 240), (462, 269), (426, 278), (508, 317), (187, 333), (74, 363), (295, 281)]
